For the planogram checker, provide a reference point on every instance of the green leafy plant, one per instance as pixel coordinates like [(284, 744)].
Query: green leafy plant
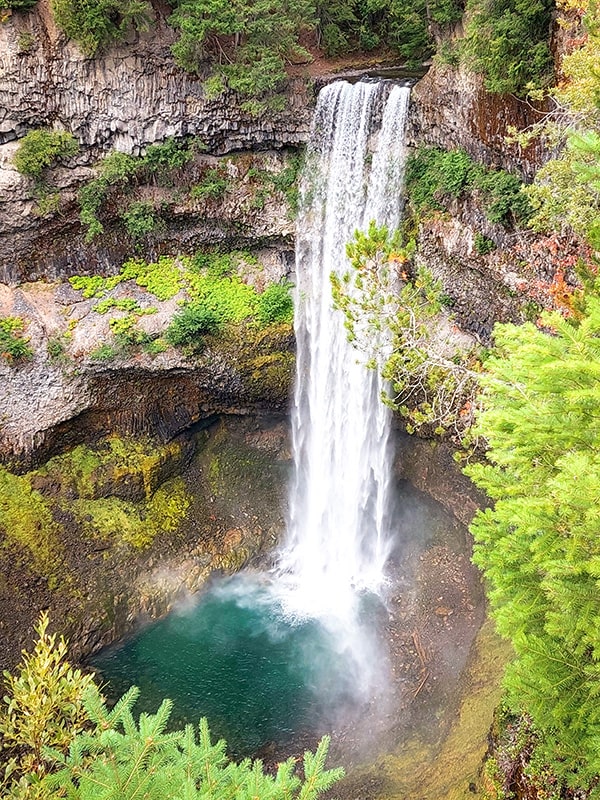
[(140, 219), (275, 304), (97, 24), (13, 345), (43, 706), (17, 5), (434, 177), (190, 325), (104, 352), (213, 186), (42, 148), (482, 244)]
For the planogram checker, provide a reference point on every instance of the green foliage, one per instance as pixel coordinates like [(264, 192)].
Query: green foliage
[(432, 380), (255, 38), (104, 352), (97, 24), (17, 5), (119, 171), (402, 25), (123, 758), (41, 149), (122, 304), (95, 285), (508, 41), (434, 177), (217, 296), (190, 324), (13, 345), (43, 705), (483, 245), (213, 186), (140, 219), (503, 197), (538, 545), (275, 304), (163, 278), (70, 744), (566, 191)]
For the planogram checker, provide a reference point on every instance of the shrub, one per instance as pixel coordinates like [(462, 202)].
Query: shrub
[(41, 148), (96, 24), (120, 170), (140, 219), (17, 5), (13, 346), (433, 175), (213, 186), (104, 352), (482, 244), (43, 707), (275, 304), (504, 200), (188, 327)]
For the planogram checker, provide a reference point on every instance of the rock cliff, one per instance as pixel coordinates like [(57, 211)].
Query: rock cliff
[(124, 100)]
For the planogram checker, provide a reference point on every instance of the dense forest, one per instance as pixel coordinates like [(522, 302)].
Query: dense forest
[(521, 412)]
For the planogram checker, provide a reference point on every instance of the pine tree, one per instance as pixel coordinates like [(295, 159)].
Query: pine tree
[(539, 545)]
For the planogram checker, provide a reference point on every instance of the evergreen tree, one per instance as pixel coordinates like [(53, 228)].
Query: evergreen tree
[(539, 545), (65, 742)]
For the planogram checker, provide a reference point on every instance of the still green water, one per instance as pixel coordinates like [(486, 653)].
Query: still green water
[(235, 658)]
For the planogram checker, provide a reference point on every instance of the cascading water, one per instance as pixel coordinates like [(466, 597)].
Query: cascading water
[(338, 537), (267, 657)]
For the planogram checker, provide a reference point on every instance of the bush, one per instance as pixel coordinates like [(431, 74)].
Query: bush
[(483, 245), (13, 346), (17, 5), (213, 186), (189, 326), (96, 24), (140, 219), (275, 304), (504, 200), (44, 704), (41, 148), (121, 171), (433, 175)]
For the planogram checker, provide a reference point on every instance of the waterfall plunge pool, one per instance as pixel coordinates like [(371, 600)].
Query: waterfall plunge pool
[(262, 678), (271, 686)]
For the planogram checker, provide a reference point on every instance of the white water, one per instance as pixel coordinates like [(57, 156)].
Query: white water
[(339, 526)]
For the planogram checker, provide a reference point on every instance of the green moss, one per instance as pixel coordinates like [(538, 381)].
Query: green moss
[(26, 521), (272, 374), (128, 468), (135, 524)]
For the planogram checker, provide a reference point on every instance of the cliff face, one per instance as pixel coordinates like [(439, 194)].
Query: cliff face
[(123, 100), (451, 108)]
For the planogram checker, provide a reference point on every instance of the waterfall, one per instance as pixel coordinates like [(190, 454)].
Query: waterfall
[(339, 528)]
